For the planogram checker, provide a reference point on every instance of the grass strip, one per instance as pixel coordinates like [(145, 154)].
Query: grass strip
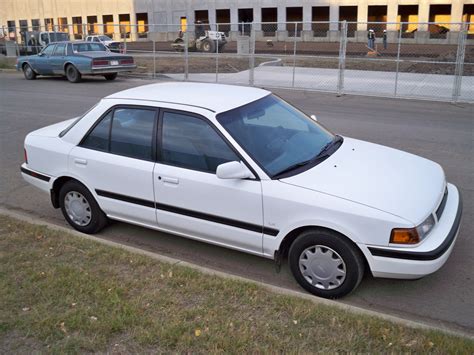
[(61, 293)]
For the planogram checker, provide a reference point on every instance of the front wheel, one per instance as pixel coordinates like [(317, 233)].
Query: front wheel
[(326, 263), (73, 74), (80, 209), (111, 76), (208, 46), (28, 72)]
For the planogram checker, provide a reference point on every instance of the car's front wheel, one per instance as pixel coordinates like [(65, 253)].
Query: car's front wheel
[(111, 76), (28, 72), (73, 74), (325, 263), (80, 209)]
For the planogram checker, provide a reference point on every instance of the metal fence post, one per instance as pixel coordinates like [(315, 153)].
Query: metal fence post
[(294, 56), (217, 55), (154, 56), (186, 55), (342, 58), (398, 59), (459, 69), (252, 55)]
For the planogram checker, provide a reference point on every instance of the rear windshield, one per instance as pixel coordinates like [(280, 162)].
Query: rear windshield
[(88, 47), (75, 121)]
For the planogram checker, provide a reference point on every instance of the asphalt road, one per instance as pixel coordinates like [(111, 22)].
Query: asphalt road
[(439, 131)]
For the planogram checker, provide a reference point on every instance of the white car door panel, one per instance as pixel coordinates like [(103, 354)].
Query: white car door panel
[(191, 199), (201, 204)]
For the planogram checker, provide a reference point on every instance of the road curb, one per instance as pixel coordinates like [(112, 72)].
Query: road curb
[(280, 290)]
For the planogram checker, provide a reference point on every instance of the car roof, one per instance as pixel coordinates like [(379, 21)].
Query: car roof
[(214, 97)]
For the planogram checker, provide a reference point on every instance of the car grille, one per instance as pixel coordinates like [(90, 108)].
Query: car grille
[(440, 210)]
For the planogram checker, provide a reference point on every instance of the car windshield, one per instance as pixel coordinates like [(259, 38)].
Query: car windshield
[(276, 135), (88, 47), (105, 38)]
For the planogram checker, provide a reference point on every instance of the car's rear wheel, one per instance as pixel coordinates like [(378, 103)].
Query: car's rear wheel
[(111, 76), (73, 74), (326, 263), (80, 209), (28, 72)]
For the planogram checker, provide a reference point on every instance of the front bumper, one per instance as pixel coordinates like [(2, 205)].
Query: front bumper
[(425, 259)]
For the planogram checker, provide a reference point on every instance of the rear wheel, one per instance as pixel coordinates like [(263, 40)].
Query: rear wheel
[(208, 46), (326, 263), (73, 74), (80, 209), (111, 76), (28, 72)]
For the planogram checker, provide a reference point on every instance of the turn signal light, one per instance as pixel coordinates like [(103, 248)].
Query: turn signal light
[(404, 236)]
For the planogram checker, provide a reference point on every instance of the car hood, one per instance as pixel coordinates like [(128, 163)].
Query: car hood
[(387, 179)]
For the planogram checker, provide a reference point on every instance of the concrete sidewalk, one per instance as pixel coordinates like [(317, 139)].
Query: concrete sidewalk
[(378, 83)]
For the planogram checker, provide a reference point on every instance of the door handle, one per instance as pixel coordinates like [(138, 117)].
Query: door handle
[(169, 180), (80, 161)]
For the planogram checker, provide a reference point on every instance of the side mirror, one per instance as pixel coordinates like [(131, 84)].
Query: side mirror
[(314, 118), (40, 54), (233, 170)]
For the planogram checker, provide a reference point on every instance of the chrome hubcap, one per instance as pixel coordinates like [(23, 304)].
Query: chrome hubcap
[(322, 267), (77, 208)]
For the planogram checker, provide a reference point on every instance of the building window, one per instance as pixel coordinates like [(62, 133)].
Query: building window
[(62, 24), (245, 20), (23, 26), (269, 21), (124, 21), (11, 30), (49, 24), (223, 20), (349, 14), (468, 16), (202, 16), (441, 14), (320, 19), (92, 27), (108, 21), (77, 27), (294, 14), (142, 25), (35, 24), (409, 15)]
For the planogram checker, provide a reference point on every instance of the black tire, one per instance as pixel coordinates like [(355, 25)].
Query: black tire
[(208, 46), (111, 76), (72, 74), (28, 72), (340, 249), (97, 219)]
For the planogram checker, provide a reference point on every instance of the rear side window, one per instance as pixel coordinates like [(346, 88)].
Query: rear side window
[(124, 131), (191, 143)]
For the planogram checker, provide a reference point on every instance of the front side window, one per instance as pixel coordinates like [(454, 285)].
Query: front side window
[(48, 50), (124, 131), (60, 49), (190, 142), (275, 134)]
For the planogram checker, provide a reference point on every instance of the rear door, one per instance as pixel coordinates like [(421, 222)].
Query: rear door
[(116, 161), (190, 198)]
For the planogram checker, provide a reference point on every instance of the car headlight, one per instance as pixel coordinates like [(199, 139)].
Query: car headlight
[(413, 235)]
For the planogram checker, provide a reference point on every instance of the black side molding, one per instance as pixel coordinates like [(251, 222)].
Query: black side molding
[(35, 174), (428, 255), (190, 213)]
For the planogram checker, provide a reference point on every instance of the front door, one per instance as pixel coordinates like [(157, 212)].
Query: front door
[(191, 199), (58, 58), (116, 161)]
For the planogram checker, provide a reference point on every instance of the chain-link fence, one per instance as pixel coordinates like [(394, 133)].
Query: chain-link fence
[(411, 60)]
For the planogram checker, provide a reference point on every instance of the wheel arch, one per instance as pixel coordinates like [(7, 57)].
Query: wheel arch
[(69, 63), (290, 237), (59, 182)]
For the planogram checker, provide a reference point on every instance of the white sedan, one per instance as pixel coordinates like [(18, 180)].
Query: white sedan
[(241, 168)]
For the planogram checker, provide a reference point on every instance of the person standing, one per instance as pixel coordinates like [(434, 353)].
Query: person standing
[(371, 39), (384, 39)]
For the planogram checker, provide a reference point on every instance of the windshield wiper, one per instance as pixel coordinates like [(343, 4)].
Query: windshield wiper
[(322, 155), (337, 139)]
